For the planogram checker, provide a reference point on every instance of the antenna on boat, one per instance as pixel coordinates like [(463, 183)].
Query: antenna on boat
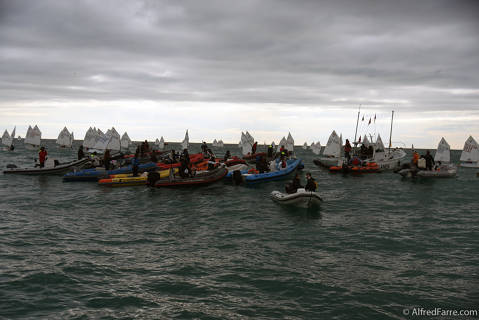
[(357, 121), (391, 131)]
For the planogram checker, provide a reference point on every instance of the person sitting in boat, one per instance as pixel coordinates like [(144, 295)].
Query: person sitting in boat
[(253, 147), (227, 155), (347, 150), (261, 164), (363, 152), (356, 161), (311, 185), (429, 160), (42, 156), (153, 157), (294, 185), (281, 164), (370, 151), (185, 170), (210, 154), (81, 154), (172, 157)]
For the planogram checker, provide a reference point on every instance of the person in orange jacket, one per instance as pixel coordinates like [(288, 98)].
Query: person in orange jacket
[(42, 156)]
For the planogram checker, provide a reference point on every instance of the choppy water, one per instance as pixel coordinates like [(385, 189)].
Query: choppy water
[(377, 245)]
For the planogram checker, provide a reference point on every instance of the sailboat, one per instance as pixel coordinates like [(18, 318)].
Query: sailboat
[(316, 147), (125, 141), (305, 146), (215, 143), (220, 144), (282, 143), (7, 139), (332, 152), (33, 138), (186, 141), (290, 143), (470, 154), (65, 138), (160, 144)]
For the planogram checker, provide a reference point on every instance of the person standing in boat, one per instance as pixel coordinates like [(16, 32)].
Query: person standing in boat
[(429, 160), (415, 158), (107, 159), (347, 150), (311, 185), (270, 151), (186, 155), (81, 154), (204, 148), (227, 155), (253, 147), (42, 156)]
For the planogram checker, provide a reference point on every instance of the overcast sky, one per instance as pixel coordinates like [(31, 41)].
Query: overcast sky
[(156, 68)]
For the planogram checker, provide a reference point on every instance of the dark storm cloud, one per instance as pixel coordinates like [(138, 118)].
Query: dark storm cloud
[(322, 53)]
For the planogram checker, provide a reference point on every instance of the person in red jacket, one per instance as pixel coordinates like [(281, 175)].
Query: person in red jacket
[(42, 156)]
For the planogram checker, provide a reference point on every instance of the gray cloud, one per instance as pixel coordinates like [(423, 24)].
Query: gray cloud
[(318, 53)]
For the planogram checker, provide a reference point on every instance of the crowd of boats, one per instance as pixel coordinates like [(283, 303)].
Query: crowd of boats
[(106, 159)]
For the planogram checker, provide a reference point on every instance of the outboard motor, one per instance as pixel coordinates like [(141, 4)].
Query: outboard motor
[(152, 178), (237, 177)]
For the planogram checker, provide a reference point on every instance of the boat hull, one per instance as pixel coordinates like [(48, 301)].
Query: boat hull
[(59, 169), (301, 198), (201, 178)]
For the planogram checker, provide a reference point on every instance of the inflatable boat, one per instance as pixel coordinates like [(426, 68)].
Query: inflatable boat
[(300, 198), (448, 171), (370, 167), (200, 178), (51, 167), (251, 178), (127, 179), (96, 173)]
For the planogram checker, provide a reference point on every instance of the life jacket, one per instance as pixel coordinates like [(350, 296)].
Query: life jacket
[(415, 157), (42, 155)]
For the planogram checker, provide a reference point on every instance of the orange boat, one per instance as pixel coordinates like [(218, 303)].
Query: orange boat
[(370, 167)]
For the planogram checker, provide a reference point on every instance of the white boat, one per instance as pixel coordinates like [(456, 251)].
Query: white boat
[(186, 141), (332, 152), (65, 138), (246, 143), (220, 144), (109, 140), (33, 138), (386, 159), (470, 154), (125, 142), (215, 143), (282, 143), (7, 139), (442, 169), (300, 198), (305, 146)]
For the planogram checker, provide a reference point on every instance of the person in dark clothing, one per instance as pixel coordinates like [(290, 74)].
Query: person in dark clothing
[(363, 152), (370, 151), (204, 147), (11, 147), (429, 160), (294, 185), (185, 170), (347, 150), (253, 148), (270, 151), (310, 183), (153, 157), (186, 155), (227, 155), (81, 154), (135, 164), (262, 165), (107, 159)]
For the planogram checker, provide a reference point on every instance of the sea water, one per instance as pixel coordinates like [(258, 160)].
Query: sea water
[(378, 247)]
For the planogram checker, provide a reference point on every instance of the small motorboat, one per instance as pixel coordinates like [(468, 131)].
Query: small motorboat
[(128, 179), (444, 171), (251, 176), (300, 198), (51, 167), (97, 173), (370, 167)]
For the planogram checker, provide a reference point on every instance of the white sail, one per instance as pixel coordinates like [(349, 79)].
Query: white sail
[(470, 152), (215, 143), (34, 137), (64, 138), (290, 143), (186, 141), (125, 141), (282, 143), (249, 138), (114, 143), (102, 141), (161, 144), (443, 152), (13, 134), (305, 146), (90, 138), (71, 139), (220, 144), (333, 146), (316, 148), (245, 144), (6, 139), (366, 141)]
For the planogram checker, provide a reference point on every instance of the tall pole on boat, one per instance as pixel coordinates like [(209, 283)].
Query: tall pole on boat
[(357, 121), (391, 131)]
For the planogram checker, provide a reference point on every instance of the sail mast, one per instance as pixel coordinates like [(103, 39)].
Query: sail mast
[(391, 131), (357, 122)]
